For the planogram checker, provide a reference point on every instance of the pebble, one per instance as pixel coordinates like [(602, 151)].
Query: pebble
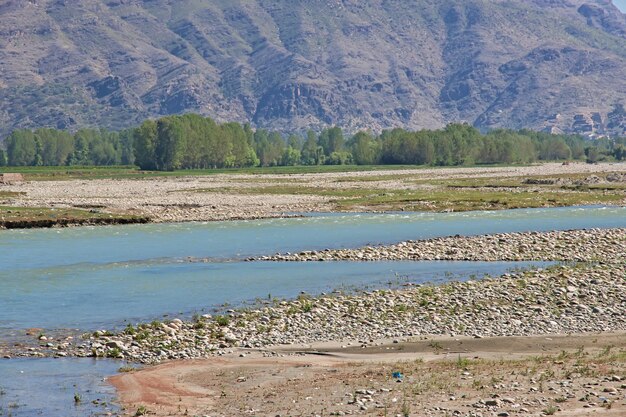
[(576, 245), (481, 308), (460, 308)]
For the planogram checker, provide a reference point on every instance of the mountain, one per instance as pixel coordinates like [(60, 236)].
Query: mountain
[(293, 64)]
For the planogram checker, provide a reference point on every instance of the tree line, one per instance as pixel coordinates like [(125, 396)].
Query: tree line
[(194, 142)]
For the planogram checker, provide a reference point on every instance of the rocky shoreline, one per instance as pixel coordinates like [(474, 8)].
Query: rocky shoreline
[(579, 297), (561, 300), (593, 245)]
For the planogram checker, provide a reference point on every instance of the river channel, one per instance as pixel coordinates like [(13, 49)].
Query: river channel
[(89, 278)]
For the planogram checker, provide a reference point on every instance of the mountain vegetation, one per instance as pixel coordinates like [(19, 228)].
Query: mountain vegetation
[(291, 65)]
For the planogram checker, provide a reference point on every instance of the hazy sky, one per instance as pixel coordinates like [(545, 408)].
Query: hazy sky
[(621, 4)]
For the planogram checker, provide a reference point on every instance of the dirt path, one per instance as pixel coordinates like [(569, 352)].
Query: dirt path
[(524, 376)]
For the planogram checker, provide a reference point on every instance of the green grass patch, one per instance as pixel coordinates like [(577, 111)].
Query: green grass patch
[(469, 199), (9, 194), (379, 178), (23, 217), (445, 196), (102, 172), (70, 173), (303, 190), (519, 182)]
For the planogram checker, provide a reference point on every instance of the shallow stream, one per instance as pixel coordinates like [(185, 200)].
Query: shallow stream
[(97, 277)]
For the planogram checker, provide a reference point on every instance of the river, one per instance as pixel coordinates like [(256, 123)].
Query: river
[(100, 277)]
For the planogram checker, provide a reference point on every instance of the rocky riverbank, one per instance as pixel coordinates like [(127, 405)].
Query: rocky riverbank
[(595, 245), (587, 296), (559, 300)]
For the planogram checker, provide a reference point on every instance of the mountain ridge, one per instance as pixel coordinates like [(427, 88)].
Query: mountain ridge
[(555, 65)]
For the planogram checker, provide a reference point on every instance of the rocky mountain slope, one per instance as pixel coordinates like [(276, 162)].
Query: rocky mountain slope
[(291, 64)]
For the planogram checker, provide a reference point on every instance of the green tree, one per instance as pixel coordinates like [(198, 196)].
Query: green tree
[(103, 149), (127, 156), (242, 154), (555, 149), (331, 140), (403, 147), (443, 150), (365, 149), (270, 147), (169, 144), (38, 153), (339, 158), (144, 141), (295, 142), (291, 156), (249, 134), (592, 155), (56, 146), (21, 148), (309, 149), (80, 154)]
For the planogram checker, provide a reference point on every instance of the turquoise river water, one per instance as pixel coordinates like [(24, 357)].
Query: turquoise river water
[(101, 277)]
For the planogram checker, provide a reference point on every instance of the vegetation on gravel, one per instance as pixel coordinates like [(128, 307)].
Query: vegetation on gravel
[(448, 194), (26, 217)]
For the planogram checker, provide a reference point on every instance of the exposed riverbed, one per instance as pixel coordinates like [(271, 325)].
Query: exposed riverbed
[(238, 196), (94, 267)]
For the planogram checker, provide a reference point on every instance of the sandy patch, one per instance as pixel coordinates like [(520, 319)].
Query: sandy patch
[(462, 376)]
